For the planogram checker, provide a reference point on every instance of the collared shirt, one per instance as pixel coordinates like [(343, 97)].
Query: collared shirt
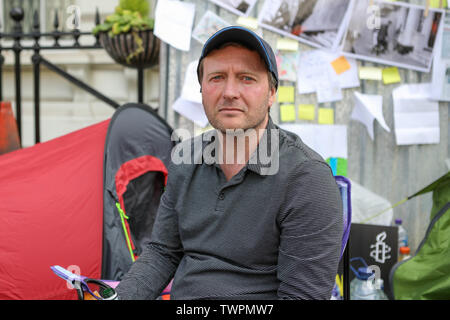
[(272, 231)]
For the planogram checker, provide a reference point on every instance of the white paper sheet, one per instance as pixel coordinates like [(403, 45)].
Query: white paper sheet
[(191, 86), (209, 24), (315, 72), (189, 104), (368, 108), (191, 110), (330, 141), (173, 23), (416, 116)]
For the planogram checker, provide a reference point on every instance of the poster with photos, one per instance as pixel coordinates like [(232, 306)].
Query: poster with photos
[(239, 7), (318, 23), (393, 33)]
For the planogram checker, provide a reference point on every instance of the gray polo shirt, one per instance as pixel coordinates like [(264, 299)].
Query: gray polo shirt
[(272, 231)]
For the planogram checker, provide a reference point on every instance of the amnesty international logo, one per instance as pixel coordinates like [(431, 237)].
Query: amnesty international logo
[(381, 250)]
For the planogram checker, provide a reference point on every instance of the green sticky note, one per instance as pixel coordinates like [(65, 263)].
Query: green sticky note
[(338, 166), (326, 116), (391, 75), (287, 112), (341, 168), (306, 112), (370, 73), (286, 94)]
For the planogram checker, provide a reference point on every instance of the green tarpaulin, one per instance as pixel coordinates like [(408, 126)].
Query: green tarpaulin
[(427, 274)]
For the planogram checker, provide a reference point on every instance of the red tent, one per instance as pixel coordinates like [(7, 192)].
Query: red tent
[(51, 213), (58, 203)]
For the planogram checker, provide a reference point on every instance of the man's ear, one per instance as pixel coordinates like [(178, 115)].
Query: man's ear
[(272, 96)]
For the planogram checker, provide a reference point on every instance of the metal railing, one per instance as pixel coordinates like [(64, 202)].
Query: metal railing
[(17, 45)]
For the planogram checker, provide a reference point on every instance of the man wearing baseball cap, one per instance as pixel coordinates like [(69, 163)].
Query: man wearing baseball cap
[(263, 223)]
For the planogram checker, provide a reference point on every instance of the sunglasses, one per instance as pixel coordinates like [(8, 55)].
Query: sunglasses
[(99, 289)]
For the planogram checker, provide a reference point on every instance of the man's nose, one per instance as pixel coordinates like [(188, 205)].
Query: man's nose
[(231, 89)]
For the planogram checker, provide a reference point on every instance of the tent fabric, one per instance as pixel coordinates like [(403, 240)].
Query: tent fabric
[(137, 154), (426, 275), (51, 213)]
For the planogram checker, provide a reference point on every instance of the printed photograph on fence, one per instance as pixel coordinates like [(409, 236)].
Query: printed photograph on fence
[(393, 33), (209, 24), (318, 23), (239, 7)]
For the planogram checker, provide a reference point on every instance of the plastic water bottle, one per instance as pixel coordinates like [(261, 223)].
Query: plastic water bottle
[(363, 288), (402, 234)]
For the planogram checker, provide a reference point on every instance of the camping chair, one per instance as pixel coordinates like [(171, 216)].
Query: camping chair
[(345, 190)]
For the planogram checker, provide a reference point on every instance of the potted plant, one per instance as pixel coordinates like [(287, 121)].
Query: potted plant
[(127, 35)]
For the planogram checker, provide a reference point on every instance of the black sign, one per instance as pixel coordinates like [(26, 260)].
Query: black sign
[(376, 245)]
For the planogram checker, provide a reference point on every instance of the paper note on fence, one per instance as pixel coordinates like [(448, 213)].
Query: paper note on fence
[(173, 23), (191, 87), (416, 116), (287, 112), (368, 108), (209, 24), (330, 141), (191, 110), (370, 73), (314, 70), (306, 112), (286, 94)]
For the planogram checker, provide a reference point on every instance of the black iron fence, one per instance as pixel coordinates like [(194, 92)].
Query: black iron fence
[(17, 43)]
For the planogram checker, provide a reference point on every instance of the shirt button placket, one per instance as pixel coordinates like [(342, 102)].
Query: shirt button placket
[(219, 202)]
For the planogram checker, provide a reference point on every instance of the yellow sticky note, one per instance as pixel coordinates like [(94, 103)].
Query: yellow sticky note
[(370, 73), (287, 112), (340, 65), (306, 112), (435, 4), (326, 116), (287, 44), (248, 22), (286, 94), (391, 75)]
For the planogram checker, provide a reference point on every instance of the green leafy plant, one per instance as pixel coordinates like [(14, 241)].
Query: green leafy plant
[(130, 16)]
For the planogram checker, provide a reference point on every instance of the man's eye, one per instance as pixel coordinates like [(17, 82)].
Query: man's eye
[(216, 77), (246, 78)]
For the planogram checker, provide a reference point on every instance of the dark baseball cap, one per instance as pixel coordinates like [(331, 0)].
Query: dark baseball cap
[(245, 37)]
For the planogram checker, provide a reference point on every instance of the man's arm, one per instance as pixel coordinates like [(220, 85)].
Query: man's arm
[(157, 264), (310, 233)]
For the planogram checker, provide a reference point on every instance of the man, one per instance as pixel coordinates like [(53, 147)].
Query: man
[(253, 225)]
